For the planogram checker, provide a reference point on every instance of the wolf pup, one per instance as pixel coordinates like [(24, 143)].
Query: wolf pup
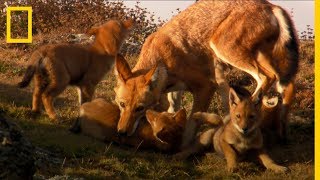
[(54, 67), (162, 131), (194, 45), (239, 136)]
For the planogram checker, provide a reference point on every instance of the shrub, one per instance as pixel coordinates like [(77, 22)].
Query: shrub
[(77, 16)]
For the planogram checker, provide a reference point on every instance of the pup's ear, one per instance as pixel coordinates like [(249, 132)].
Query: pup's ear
[(233, 97), (122, 69), (151, 117), (93, 31), (180, 116), (128, 24)]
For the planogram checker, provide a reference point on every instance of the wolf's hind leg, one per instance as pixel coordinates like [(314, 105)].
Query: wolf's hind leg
[(201, 101), (202, 141), (58, 81), (287, 92), (39, 86), (223, 89)]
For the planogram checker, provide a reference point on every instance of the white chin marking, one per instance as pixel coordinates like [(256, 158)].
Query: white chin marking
[(238, 128)]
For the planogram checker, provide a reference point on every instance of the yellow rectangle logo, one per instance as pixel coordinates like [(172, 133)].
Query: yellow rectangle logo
[(29, 38)]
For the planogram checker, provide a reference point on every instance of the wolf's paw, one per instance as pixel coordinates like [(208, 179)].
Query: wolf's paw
[(33, 114), (231, 168), (279, 169)]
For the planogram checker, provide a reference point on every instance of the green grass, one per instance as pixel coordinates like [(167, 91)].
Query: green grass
[(75, 155)]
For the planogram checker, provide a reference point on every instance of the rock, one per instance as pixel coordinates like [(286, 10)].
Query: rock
[(80, 38), (16, 153)]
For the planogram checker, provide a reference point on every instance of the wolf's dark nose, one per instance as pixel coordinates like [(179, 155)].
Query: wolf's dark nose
[(122, 133), (245, 130)]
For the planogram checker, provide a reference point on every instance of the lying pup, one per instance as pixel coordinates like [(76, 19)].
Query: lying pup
[(162, 131), (239, 136), (54, 67)]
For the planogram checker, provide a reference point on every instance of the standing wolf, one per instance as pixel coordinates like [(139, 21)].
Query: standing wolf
[(189, 51), (54, 67)]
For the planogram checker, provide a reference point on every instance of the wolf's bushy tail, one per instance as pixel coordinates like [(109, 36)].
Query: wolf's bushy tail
[(286, 49), (35, 60), (27, 76)]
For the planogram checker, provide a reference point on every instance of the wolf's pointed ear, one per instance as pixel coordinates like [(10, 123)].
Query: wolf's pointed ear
[(128, 24), (151, 116), (156, 80), (233, 97), (152, 75), (156, 77), (122, 69), (93, 31), (180, 116)]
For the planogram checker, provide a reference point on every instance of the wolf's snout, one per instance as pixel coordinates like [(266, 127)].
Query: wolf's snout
[(122, 132)]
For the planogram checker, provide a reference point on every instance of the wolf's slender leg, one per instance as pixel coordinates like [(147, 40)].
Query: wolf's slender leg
[(223, 89), (287, 92), (174, 99), (201, 101), (38, 90)]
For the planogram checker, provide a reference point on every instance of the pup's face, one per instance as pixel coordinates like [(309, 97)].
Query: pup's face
[(244, 112), (167, 127)]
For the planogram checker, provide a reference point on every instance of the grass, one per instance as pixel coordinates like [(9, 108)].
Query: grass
[(61, 153)]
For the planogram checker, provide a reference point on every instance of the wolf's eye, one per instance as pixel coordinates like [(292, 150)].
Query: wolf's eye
[(251, 116), (238, 116), (140, 108), (122, 104)]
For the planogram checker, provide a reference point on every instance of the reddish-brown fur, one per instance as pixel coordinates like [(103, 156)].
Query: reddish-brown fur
[(240, 134), (54, 67), (162, 131), (254, 36)]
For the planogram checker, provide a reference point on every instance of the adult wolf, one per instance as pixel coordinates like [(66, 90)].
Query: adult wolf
[(189, 51)]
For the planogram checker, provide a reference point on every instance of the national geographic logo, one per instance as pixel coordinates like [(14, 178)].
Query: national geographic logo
[(29, 38)]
